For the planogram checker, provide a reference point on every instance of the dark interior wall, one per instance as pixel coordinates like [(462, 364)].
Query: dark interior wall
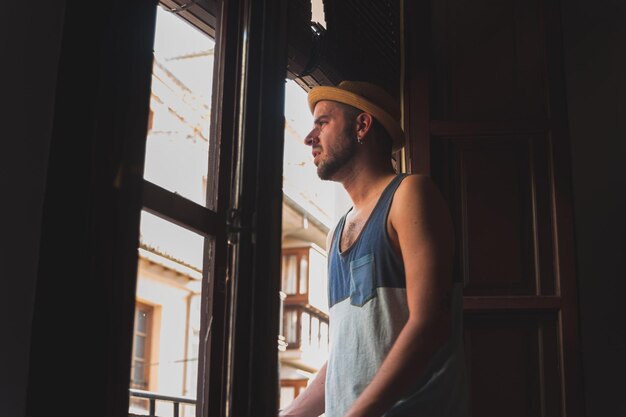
[(595, 61), (30, 37)]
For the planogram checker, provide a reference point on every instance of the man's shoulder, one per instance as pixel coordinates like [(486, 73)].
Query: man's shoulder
[(415, 186), (418, 194)]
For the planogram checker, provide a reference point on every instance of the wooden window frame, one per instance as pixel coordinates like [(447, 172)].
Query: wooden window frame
[(95, 193)]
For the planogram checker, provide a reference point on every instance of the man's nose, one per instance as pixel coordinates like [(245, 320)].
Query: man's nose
[(311, 139)]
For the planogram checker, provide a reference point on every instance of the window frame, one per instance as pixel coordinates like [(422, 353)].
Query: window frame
[(95, 192)]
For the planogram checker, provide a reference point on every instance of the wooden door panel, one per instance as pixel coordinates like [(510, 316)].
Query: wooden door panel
[(513, 364), (485, 114), (488, 60), (493, 198), (498, 190)]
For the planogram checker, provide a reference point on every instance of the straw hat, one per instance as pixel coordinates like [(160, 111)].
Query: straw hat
[(367, 97)]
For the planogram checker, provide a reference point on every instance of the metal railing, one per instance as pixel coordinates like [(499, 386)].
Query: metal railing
[(153, 397)]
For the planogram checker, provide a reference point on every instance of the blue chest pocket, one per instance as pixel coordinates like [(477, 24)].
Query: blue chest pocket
[(362, 287)]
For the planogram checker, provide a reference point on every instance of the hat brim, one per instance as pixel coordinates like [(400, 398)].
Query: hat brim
[(318, 94)]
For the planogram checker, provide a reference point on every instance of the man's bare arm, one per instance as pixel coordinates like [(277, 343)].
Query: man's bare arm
[(422, 230), (310, 402)]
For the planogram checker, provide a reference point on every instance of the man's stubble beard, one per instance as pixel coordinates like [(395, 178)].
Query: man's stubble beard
[(342, 154)]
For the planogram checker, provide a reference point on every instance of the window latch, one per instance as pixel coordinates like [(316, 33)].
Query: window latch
[(234, 226)]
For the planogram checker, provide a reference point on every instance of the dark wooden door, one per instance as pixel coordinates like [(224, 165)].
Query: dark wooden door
[(485, 114)]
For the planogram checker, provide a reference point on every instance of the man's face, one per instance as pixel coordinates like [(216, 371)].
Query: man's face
[(332, 139)]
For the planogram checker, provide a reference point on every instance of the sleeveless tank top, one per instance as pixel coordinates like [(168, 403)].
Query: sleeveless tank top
[(368, 309)]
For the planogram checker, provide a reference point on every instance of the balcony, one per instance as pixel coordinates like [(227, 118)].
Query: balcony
[(305, 331), (144, 403), (305, 327)]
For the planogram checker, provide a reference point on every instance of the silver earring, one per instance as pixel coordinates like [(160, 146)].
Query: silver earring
[(359, 140)]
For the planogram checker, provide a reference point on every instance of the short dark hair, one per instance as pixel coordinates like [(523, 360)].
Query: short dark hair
[(349, 112)]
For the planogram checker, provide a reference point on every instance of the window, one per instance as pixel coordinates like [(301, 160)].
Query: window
[(140, 368), (96, 187), (295, 272), (177, 146), (178, 226)]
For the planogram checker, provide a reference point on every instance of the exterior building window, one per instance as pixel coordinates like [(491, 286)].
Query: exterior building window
[(140, 375), (295, 272)]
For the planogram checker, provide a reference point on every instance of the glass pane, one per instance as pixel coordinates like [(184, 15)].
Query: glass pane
[(304, 273), (169, 281), (138, 373), (141, 321), (140, 347), (177, 147), (178, 245), (291, 273)]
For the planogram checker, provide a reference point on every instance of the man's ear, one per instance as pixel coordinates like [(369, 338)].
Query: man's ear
[(364, 122)]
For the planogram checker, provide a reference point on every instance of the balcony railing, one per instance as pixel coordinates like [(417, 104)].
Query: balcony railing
[(304, 327), (153, 397)]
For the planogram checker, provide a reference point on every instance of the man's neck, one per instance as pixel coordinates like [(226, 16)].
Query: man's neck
[(364, 184)]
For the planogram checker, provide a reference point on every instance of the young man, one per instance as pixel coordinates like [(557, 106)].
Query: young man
[(395, 315)]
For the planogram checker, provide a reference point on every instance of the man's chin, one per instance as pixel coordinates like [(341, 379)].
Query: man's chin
[(324, 174)]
